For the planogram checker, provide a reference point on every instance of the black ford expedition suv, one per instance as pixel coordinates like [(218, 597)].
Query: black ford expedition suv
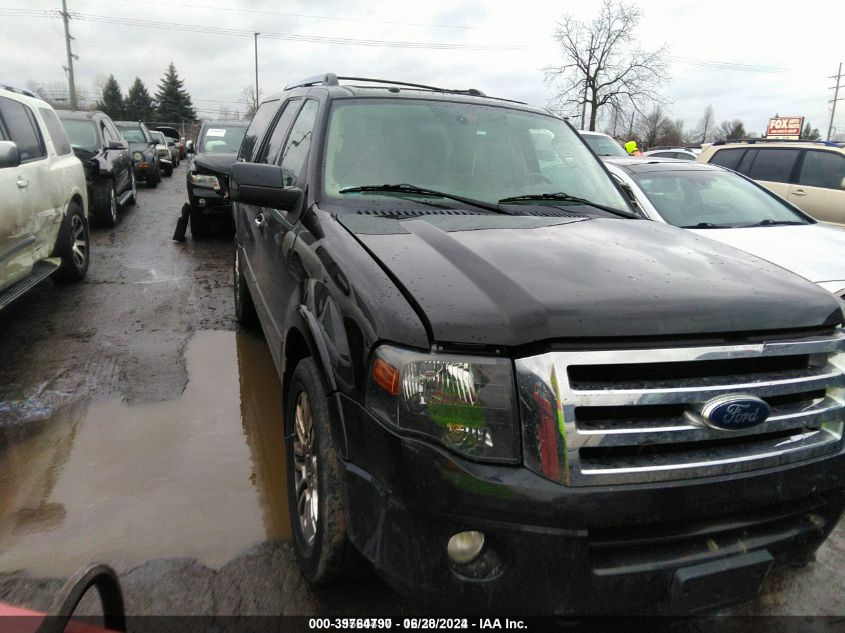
[(504, 391)]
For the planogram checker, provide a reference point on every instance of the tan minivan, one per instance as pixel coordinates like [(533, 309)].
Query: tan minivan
[(809, 174)]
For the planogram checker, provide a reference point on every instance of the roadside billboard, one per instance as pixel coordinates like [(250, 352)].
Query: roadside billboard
[(785, 127)]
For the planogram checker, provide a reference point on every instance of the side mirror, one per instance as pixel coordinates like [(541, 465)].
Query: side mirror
[(170, 143), (842, 184), (263, 186), (189, 147), (152, 143), (9, 154), (117, 145)]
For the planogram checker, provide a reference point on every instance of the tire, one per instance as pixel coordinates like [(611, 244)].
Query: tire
[(107, 207), (133, 187), (200, 225), (244, 306), (323, 551), (152, 181), (168, 170), (73, 245)]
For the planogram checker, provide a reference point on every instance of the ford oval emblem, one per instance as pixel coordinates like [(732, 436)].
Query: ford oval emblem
[(735, 413)]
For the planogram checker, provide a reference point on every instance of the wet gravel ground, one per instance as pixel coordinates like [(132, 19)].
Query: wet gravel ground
[(139, 428)]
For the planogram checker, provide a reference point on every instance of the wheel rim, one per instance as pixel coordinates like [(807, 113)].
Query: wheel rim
[(305, 469), (237, 279), (79, 246), (113, 203)]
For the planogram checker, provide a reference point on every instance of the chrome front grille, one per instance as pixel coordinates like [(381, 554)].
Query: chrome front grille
[(634, 415)]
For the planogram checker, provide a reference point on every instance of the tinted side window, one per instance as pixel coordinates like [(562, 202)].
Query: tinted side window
[(257, 127), (299, 142), (822, 169), (744, 166), (108, 125), (56, 131), (727, 157), (107, 136), (21, 126), (773, 165), (270, 152)]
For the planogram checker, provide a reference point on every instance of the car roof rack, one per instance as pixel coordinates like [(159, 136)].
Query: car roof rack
[(752, 141), (330, 79), (20, 91)]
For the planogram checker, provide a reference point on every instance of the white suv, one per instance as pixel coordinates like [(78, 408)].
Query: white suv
[(43, 198)]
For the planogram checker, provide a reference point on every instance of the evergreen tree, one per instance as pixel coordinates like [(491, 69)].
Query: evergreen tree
[(809, 133), (111, 101), (139, 104), (174, 102)]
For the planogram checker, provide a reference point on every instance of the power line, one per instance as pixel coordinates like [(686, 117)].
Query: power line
[(303, 15), (215, 30)]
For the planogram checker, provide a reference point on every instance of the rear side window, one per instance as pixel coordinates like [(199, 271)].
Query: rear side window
[(774, 165), (56, 131), (822, 169), (727, 158), (256, 130), (299, 142), (20, 122)]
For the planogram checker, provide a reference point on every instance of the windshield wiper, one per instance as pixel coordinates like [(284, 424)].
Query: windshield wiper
[(768, 222), (565, 197), (708, 225), (406, 188)]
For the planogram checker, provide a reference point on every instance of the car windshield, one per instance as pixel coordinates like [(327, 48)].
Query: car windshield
[(159, 138), (82, 134), (132, 134), (221, 138), (712, 199), (476, 151), (604, 145)]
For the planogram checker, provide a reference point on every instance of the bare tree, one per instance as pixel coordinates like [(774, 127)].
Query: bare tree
[(706, 123), (730, 131), (651, 127), (252, 100), (603, 64)]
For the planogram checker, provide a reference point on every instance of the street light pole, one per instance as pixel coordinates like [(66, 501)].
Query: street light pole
[(835, 99), (256, 70), (68, 38)]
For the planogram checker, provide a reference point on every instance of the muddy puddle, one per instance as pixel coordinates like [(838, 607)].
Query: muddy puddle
[(201, 476)]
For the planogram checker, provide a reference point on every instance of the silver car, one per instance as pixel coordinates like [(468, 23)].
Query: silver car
[(730, 208)]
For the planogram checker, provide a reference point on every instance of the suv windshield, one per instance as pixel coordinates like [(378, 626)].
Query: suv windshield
[(159, 138), (604, 145), (712, 199), (476, 151), (82, 134), (221, 138), (132, 134)]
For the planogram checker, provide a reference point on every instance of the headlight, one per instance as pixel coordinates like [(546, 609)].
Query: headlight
[(137, 156), (204, 180), (164, 152), (465, 403)]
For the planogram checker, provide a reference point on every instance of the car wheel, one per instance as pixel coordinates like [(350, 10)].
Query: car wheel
[(315, 486), (200, 225), (108, 211), (72, 246), (133, 187), (152, 181), (244, 306), (168, 170)]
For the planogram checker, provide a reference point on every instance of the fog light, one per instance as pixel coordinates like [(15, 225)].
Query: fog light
[(463, 547), (201, 202)]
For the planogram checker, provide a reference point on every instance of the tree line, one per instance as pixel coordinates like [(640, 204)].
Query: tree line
[(171, 103)]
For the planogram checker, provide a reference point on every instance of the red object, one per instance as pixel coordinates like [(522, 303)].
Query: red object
[(20, 620)]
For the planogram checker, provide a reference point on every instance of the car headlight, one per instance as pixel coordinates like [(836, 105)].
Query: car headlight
[(164, 152), (467, 404), (204, 180), (137, 156)]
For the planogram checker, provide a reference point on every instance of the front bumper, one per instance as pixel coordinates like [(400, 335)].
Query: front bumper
[(556, 549), (207, 201), (145, 169)]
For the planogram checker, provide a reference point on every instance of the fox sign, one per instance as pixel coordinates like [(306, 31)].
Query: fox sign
[(786, 127)]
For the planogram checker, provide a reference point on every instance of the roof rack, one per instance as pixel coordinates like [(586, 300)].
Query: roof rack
[(330, 79), (752, 141), (20, 91)]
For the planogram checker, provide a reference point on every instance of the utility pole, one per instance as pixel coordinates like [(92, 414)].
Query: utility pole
[(835, 99), (256, 71), (70, 56)]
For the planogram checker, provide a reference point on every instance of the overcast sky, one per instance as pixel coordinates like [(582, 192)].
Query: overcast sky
[(502, 47)]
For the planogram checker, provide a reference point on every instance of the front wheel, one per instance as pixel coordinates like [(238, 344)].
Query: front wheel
[(133, 187), (168, 170), (244, 306), (73, 245), (152, 181), (315, 493), (200, 224)]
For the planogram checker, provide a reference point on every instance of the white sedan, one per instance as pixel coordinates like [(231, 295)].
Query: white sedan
[(728, 207)]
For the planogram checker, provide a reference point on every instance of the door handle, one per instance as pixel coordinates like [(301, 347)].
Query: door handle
[(23, 183), (799, 192), (260, 220)]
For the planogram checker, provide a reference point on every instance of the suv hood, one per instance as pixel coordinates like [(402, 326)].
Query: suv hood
[(497, 280), (218, 162)]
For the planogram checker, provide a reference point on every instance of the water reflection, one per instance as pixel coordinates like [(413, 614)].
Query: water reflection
[(201, 476)]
